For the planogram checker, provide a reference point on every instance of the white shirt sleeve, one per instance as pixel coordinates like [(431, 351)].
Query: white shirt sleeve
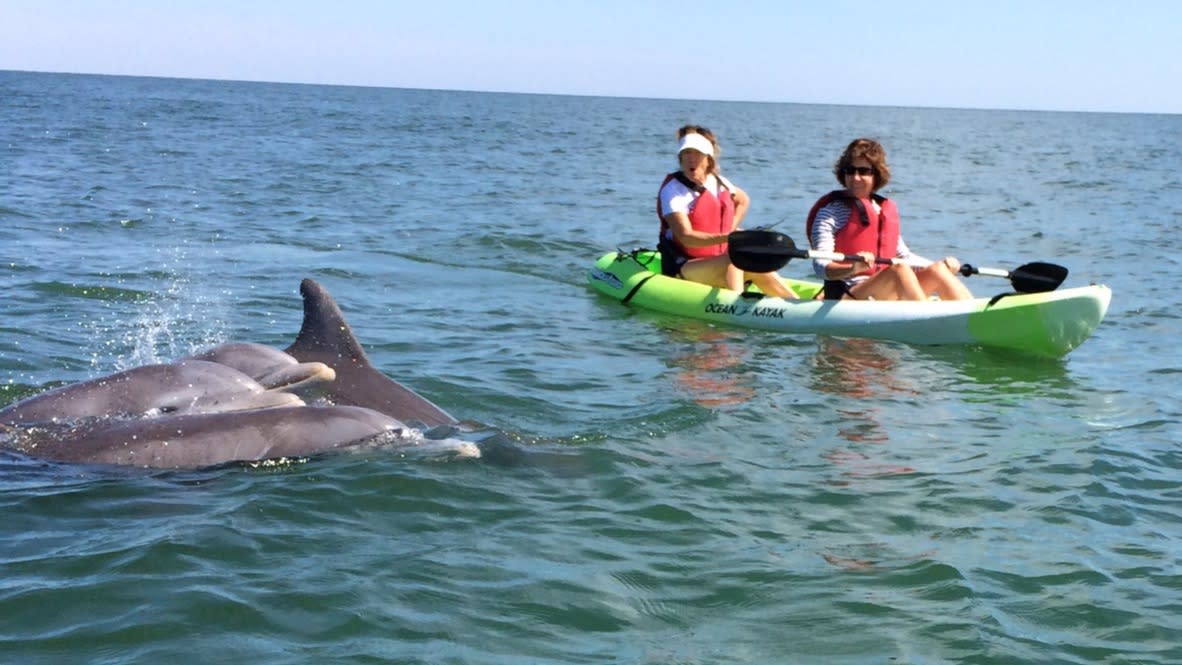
[(676, 197), (829, 220), (913, 260)]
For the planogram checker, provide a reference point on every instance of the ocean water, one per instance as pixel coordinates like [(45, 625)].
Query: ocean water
[(663, 491)]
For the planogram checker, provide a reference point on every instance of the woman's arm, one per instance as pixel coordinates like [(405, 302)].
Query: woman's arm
[(829, 220), (742, 204), (685, 234), (904, 253)]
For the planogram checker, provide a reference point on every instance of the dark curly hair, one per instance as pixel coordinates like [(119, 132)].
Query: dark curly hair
[(870, 150)]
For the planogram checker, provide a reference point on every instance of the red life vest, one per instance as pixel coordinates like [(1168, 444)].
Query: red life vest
[(867, 230), (710, 214)]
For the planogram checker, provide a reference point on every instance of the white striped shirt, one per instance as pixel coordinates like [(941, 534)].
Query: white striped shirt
[(833, 218)]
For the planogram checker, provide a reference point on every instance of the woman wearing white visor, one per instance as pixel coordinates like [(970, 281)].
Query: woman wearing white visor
[(698, 209)]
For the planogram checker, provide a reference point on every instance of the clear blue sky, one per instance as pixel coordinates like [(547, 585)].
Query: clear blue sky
[(1086, 55)]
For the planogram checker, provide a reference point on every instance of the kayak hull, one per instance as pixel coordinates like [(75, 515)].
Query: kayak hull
[(1047, 324)]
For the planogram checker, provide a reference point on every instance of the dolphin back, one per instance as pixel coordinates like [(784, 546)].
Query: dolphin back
[(326, 337)]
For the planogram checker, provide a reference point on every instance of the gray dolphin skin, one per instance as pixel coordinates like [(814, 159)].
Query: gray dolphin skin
[(272, 368), (325, 337), (207, 439), (188, 386), (232, 404)]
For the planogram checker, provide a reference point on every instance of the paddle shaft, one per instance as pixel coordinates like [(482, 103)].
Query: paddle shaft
[(966, 270), (837, 256), (760, 250), (1030, 278)]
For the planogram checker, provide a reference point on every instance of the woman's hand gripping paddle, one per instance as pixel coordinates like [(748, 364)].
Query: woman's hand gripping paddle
[(761, 250)]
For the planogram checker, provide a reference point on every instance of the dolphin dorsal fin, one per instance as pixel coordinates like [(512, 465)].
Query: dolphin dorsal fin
[(325, 337), (324, 331)]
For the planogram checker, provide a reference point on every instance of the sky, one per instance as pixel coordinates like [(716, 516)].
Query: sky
[(1081, 55)]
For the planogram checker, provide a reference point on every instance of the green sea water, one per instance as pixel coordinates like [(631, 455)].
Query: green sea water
[(655, 490)]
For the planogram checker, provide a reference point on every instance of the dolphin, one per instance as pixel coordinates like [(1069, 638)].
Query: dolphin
[(215, 407), (188, 386), (272, 368), (211, 439), (325, 337)]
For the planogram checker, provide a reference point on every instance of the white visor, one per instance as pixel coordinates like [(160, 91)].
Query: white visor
[(695, 141)]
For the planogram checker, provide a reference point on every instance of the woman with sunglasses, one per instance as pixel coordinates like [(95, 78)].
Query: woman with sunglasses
[(858, 221), (698, 209)]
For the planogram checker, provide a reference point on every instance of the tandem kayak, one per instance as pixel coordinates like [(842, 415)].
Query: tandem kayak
[(1046, 324)]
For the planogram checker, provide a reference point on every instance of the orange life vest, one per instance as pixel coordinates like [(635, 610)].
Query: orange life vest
[(867, 230), (710, 214)]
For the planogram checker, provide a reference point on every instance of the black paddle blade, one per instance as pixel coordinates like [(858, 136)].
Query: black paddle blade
[(1037, 277), (760, 250)]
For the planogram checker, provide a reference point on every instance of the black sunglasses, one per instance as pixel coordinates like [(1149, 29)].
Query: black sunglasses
[(860, 170)]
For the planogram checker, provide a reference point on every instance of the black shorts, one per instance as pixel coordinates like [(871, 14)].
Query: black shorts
[(836, 289), (672, 258)]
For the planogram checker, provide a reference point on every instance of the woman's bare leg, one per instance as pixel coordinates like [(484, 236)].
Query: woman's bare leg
[(897, 282), (719, 271), (734, 277), (771, 284), (938, 278), (714, 271)]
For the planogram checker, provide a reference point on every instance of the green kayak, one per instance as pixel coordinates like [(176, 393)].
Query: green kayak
[(1045, 324)]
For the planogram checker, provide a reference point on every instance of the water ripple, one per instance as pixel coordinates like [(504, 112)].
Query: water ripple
[(653, 490)]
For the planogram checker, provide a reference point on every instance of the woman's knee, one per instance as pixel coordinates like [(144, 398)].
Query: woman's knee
[(902, 273), (940, 269), (906, 283)]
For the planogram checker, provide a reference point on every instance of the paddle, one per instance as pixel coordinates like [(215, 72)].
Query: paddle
[(1035, 277), (761, 250)]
